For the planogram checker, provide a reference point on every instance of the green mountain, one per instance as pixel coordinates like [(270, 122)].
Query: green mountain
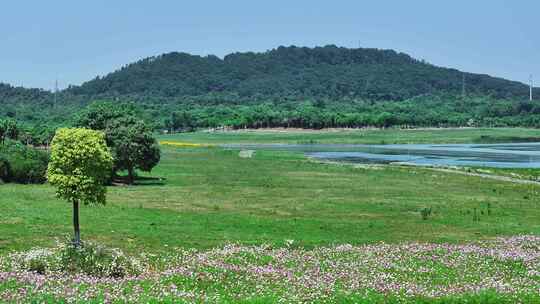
[(328, 72), (289, 87)]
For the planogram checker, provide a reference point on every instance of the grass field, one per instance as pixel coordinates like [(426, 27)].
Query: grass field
[(368, 136), (204, 197)]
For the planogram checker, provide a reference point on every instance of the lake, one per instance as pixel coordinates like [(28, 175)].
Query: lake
[(515, 155)]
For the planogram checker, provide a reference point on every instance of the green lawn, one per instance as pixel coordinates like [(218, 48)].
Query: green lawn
[(373, 136), (208, 197)]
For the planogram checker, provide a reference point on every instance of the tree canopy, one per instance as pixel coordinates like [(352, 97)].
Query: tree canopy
[(295, 72), (80, 164), (129, 138), (133, 145)]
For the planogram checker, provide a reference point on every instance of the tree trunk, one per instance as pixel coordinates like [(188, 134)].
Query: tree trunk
[(76, 229), (131, 177)]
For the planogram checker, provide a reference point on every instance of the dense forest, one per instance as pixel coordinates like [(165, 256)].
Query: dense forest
[(295, 73), (289, 87)]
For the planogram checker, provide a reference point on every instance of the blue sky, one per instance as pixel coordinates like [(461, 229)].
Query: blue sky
[(75, 41)]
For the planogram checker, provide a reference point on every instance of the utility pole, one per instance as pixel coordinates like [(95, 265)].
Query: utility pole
[(530, 87), (463, 85), (55, 92)]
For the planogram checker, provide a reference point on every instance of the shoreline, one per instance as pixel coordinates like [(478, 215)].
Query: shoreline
[(329, 130)]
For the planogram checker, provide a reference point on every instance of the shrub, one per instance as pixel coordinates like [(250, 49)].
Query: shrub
[(98, 261), (90, 259), (37, 260), (425, 212), (22, 164), (27, 170)]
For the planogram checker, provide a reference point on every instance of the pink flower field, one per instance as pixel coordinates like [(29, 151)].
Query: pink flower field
[(504, 269)]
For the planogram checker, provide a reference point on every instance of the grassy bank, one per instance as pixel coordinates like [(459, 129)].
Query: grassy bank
[(287, 219), (368, 136), (206, 197)]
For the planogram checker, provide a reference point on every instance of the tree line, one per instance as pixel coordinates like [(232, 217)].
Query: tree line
[(425, 111), (24, 150)]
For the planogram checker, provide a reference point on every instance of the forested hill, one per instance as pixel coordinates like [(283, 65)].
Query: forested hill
[(20, 94), (322, 87), (328, 72)]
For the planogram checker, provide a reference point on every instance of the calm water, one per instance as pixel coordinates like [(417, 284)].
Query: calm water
[(522, 155)]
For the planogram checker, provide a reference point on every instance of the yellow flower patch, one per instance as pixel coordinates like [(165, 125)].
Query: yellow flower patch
[(182, 144)]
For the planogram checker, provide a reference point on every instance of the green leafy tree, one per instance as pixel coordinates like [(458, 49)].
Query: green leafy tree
[(133, 146), (79, 166), (3, 130), (42, 135), (12, 130), (100, 113), (8, 129), (180, 121), (130, 139)]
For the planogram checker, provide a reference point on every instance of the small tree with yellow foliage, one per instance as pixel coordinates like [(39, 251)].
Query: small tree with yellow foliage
[(80, 165)]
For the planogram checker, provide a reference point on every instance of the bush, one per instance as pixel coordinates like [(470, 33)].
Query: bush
[(37, 260), (425, 212), (22, 164), (90, 259), (98, 261)]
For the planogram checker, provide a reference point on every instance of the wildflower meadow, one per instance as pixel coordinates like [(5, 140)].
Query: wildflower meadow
[(501, 270)]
